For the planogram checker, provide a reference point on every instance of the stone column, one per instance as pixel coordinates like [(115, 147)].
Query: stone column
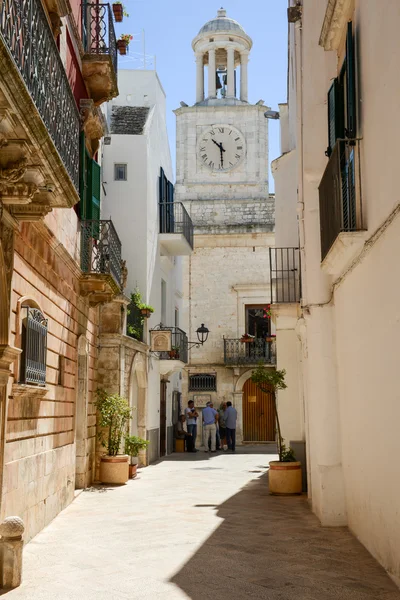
[(199, 77), (231, 72), (212, 83), (244, 60)]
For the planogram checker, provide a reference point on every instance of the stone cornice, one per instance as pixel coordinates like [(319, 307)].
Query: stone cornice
[(336, 16), (111, 340)]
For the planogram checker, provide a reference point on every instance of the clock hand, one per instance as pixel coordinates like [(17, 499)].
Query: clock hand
[(222, 156)]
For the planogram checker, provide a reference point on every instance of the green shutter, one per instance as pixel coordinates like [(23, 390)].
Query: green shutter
[(83, 155), (335, 114), (351, 130), (93, 196)]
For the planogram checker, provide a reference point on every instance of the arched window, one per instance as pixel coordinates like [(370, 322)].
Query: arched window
[(33, 345)]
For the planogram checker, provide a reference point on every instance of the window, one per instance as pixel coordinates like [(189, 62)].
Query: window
[(202, 382), (342, 98), (120, 172), (34, 346), (258, 322), (163, 302)]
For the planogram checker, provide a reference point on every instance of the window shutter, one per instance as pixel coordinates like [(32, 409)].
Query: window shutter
[(351, 130), (335, 114), (93, 195), (82, 175)]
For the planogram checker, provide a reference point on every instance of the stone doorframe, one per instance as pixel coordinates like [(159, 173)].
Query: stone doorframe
[(238, 399), (81, 410), (139, 370)]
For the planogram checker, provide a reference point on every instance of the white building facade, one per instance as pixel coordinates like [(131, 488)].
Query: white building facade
[(334, 175), (137, 177), (222, 179)]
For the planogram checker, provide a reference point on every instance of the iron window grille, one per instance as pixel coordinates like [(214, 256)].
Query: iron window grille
[(202, 382), (34, 347), (285, 280)]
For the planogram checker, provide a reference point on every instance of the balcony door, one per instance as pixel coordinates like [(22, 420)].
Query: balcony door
[(257, 323)]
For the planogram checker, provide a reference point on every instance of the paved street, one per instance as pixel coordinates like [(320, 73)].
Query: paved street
[(197, 527)]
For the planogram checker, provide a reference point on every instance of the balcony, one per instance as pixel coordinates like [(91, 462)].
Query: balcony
[(39, 150), (176, 358), (285, 276), (176, 230), (100, 61), (101, 263), (237, 353), (340, 206)]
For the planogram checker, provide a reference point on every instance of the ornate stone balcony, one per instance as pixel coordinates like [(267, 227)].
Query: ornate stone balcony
[(99, 64), (39, 120), (238, 352), (101, 263)]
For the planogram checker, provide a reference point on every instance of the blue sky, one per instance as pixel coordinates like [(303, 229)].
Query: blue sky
[(170, 27)]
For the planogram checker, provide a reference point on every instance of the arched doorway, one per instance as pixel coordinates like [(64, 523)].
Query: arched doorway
[(258, 414), (138, 394), (133, 402)]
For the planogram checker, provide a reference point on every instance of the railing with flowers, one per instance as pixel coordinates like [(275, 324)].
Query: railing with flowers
[(25, 31), (249, 350), (99, 32)]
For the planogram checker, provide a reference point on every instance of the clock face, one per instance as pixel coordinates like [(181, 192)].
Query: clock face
[(221, 148)]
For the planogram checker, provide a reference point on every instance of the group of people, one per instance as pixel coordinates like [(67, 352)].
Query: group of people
[(219, 427)]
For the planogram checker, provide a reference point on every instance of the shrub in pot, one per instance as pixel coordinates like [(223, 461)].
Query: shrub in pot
[(133, 445), (284, 475), (114, 414)]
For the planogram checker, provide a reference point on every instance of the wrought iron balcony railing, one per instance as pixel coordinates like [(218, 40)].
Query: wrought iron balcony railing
[(25, 31), (98, 31), (259, 350), (179, 343), (340, 204), (101, 249), (174, 218), (285, 276)]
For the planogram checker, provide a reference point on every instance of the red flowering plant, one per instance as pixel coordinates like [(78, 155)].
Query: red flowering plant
[(267, 312)]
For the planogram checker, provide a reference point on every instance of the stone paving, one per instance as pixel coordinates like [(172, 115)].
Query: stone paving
[(201, 527)]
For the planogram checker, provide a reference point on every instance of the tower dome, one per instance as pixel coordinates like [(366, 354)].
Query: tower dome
[(221, 24)]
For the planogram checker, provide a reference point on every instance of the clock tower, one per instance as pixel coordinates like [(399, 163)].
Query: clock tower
[(222, 180)]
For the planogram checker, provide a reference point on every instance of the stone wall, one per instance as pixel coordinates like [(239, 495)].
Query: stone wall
[(39, 475)]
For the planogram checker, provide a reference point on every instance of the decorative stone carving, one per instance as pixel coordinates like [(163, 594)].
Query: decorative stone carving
[(12, 528), (30, 212), (124, 275), (7, 243), (17, 193), (98, 73), (93, 123), (334, 25), (56, 24), (14, 171)]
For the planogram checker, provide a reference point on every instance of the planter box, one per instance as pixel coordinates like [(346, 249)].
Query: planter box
[(118, 11), (122, 46)]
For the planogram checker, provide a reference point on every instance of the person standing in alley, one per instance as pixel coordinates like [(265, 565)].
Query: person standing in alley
[(191, 420), (230, 424), (210, 418)]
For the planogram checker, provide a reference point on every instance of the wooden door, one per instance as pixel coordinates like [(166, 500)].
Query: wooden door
[(258, 414), (163, 418)]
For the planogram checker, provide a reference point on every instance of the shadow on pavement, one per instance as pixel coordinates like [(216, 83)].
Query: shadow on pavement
[(273, 548)]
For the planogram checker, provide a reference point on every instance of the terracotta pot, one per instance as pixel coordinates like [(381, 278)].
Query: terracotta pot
[(122, 46), (114, 469), (132, 471), (174, 354), (146, 313), (247, 340), (284, 478), (118, 11)]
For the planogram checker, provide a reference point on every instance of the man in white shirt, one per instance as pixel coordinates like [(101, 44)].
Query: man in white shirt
[(210, 417), (191, 415)]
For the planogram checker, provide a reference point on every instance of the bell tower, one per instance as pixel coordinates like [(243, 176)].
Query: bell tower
[(222, 46), (222, 180)]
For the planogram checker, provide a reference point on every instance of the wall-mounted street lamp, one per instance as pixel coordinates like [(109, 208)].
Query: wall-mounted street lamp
[(202, 335)]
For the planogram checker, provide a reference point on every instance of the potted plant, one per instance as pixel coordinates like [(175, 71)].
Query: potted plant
[(285, 474), (114, 414), (174, 352), (119, 11), (133, 445), (146, 310), (270, 338), (123, 42), (246, 338)]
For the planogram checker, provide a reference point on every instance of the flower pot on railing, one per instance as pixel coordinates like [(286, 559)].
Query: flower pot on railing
[(247, 339), (174, 354), (122, 46), (118, 11), (146, 313)]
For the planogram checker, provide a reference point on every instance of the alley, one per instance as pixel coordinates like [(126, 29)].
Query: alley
[(197, 527)]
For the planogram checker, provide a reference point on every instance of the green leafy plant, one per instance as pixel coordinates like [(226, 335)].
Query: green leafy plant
[(126, 37), (267, 380), (134, 444), (135, 316), (114, 415)]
